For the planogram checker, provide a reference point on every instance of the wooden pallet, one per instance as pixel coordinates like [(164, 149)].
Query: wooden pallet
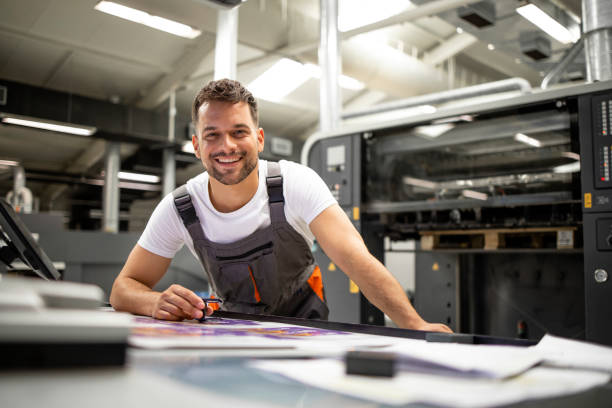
[(498, 238)]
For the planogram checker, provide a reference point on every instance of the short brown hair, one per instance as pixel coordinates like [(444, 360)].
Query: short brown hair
[(225, 90)]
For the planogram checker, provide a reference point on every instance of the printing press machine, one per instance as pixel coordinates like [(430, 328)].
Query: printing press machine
[(513, 239)]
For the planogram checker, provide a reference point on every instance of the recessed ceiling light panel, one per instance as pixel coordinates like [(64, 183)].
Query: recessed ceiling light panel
[(142, 17)]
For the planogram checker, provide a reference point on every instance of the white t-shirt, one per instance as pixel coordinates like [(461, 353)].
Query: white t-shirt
[(306, 196)]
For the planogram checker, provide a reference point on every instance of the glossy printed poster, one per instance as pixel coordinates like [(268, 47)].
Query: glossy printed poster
[(224, 333)]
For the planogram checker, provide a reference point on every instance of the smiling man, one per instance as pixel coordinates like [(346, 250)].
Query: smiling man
[(251, 223)]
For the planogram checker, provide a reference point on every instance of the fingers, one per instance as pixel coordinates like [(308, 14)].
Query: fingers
[(189, 296), (186, 300), (178, 303), (164, 315), (441, 328), (185, 307), (173, 310), (209, 310), (444, 328), (435, 327)]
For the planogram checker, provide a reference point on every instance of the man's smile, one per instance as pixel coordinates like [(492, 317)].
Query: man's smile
[(228, 161)]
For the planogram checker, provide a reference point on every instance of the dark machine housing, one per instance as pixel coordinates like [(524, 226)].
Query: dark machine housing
[(510, 203)]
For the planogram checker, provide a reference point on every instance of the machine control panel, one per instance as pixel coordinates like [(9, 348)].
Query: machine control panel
[(337, 168), (595, 126), (602, 141)]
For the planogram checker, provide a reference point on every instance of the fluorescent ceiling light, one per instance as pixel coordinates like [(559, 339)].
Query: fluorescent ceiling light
[(48, 125), (9, 163), (287, 75), (434, 131), (142, 17), (344, 81), (146, 178), (279, 80), (520, 137), (474, 194), (357, 13), (188, 147), (127, 184), (546, 23)]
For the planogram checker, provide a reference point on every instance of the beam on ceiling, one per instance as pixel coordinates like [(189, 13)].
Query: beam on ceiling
[(364, 99), (78, 165), (502, 62), (451, 47), (61, 42), (82, 163), (114, 122), (186, 65), (63, 63)]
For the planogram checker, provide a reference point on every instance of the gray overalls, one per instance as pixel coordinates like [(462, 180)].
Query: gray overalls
[(269, 272)]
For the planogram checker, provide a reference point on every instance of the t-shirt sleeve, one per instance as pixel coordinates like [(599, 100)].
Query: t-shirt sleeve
[(306, 193), (163, 235)]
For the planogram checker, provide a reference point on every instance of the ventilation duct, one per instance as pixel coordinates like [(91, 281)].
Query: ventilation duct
[(534, 45), (479, 14), (597, 24)]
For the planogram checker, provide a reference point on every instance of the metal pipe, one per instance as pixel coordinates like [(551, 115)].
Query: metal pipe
[(226, 44), (553, 75), (505, 85), (425, 10), (329, 61), (112, 164), (169, 163), (20, 197), (597, 28), (18, 183)]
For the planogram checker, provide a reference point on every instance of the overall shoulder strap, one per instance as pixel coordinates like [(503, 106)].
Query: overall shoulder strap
[(186, 210), (274, 183)]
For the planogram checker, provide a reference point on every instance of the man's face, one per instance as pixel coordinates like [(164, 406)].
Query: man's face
[(227, 141)]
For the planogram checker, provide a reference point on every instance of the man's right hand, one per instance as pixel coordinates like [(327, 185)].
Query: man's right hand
[(179, 303)]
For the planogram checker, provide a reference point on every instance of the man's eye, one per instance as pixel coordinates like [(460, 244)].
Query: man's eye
[(210, 136), (240, 132)]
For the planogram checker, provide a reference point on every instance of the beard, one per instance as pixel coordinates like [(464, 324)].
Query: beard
[(249, 164)]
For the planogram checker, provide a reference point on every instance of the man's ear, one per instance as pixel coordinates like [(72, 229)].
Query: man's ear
[(260, 140), (196, 146)]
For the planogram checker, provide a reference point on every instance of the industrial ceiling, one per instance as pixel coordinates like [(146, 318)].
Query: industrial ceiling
[(70, 47)]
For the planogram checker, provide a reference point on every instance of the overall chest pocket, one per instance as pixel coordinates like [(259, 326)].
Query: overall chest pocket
[(249, 277)]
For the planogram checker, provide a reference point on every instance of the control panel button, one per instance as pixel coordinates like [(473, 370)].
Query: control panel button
[(601, 275)]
